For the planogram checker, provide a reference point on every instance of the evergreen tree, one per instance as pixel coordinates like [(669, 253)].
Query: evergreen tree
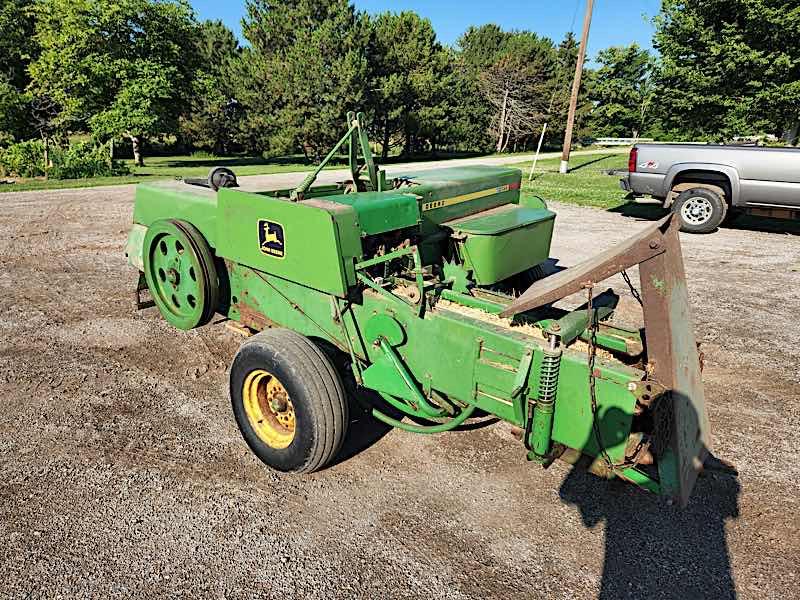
[(215, 112), (408, 76), (621, 91), (728, 67), (306, 67)]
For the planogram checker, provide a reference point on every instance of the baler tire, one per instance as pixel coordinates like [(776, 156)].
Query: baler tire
[(205, 275), (316, 395), (517, 284)]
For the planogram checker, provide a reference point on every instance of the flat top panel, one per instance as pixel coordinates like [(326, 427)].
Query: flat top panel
[(500, 219), (379, 212), (460, 175), (157, 201)]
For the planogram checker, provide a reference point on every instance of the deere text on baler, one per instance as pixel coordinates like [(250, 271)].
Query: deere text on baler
[(430, 286)]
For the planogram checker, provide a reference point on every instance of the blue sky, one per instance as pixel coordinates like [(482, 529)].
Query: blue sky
[(615, 22)]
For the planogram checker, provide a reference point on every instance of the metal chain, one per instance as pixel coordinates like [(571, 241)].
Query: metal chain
[(634, 291), (633, 460)]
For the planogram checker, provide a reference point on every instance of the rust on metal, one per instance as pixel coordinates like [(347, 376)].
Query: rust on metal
[(252, 317), (641, 247), (673, 360)]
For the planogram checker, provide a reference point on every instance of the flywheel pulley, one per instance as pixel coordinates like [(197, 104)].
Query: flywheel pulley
[(180, 273)]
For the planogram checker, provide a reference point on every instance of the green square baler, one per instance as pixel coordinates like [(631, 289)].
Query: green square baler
[(427, 290)]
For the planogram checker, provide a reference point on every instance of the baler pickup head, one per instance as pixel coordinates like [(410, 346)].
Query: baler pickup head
[(671, 350)]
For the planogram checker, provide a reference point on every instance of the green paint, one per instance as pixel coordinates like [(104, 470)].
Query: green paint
[(504, 241), (659, 285)]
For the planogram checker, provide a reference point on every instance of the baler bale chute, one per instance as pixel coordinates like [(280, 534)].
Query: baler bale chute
[(427, 289)]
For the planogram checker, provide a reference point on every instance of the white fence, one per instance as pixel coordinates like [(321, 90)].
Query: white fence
[(621, 141)]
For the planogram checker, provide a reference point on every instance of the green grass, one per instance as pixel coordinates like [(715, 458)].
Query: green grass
[(547, 184), (586, 184), (168, 167)]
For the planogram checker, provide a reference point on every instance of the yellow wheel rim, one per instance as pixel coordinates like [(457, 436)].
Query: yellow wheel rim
[(269, 408)]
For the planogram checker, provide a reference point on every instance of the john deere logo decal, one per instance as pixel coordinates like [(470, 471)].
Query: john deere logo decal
[(270, 238)]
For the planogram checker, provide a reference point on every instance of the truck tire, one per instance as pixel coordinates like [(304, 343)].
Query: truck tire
[(288, 401), (700, 210)]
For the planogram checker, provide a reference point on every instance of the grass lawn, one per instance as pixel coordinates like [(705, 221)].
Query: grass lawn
[(587, 183), (168, 167)]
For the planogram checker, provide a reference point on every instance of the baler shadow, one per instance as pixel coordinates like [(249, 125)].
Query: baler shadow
[(364, 430), (654, 548)]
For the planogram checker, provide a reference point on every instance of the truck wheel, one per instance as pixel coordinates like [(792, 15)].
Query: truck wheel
[(288, 401), (180, 273), (700, 210)]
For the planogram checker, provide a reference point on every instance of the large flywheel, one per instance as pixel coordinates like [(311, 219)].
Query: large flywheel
[(180, 273)]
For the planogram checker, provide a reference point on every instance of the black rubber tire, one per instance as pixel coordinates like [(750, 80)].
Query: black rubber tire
[(315, 389), (718, 210), (517, 284)]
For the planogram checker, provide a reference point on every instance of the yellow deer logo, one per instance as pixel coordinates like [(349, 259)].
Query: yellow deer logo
[(270, 238)]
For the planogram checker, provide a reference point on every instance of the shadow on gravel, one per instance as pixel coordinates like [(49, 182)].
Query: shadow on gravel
[(654, 549), (363, 432), (653, 212)]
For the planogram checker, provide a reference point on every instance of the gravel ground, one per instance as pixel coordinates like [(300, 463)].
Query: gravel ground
[(123, 474)]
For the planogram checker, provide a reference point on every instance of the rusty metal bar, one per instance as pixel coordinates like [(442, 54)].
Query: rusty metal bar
[(645, 245)]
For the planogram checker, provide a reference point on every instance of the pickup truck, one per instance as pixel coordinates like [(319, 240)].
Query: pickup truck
[(705, 184)]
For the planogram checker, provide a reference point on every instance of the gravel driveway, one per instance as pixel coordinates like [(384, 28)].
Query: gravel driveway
[(123, 474)]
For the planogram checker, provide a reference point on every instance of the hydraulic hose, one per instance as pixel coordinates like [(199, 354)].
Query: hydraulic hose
[(413, 428)]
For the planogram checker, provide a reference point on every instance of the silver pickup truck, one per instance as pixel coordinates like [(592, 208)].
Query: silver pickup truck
[(705, 184)]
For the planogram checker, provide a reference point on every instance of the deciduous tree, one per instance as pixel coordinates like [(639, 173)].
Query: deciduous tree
[(16, 50), (119, 68)]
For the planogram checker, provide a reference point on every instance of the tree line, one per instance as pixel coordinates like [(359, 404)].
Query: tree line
[(146, 71)]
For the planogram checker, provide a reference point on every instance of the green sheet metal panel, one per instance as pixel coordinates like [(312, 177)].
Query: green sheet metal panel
[(503, 241), (379, 212), (454, 192), (313, 243), (501, 219), (177, 200)]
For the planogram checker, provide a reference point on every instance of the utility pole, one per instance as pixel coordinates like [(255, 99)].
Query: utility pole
[(576, 86)]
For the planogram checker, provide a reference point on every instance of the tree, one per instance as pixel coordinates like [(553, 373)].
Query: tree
[(728, 67), (408, 73), (215, 112), (561, 90), (16, 50), (621, 91), (516, 85), (305, 68), (122, 69)]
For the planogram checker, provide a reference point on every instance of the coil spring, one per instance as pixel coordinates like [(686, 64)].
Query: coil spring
[(548, 378)]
